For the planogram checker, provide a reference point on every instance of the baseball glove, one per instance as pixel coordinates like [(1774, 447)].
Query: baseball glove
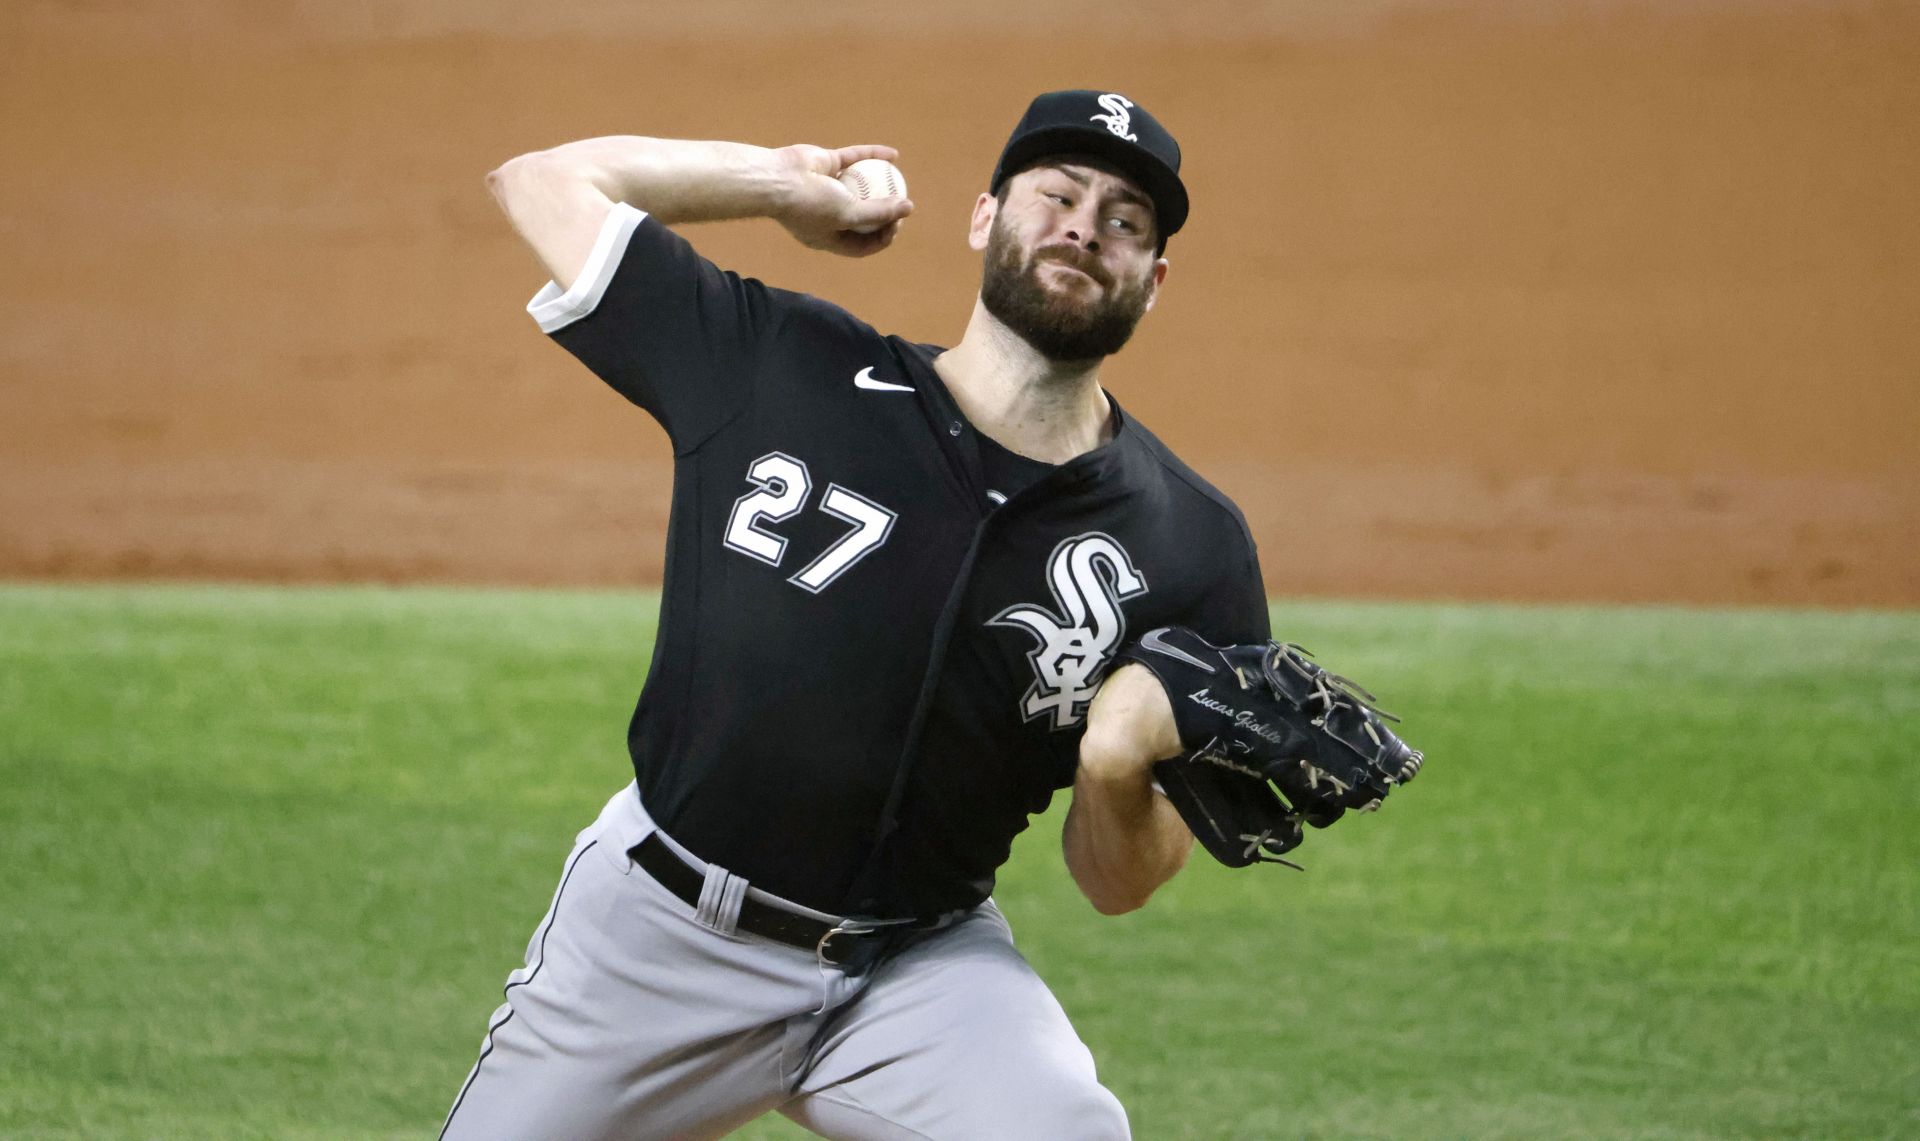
[(1271, 742)]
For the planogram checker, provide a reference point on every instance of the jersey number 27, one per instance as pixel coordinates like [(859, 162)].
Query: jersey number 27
[(781, 486)]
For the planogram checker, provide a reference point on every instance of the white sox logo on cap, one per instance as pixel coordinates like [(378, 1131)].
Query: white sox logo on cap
[(1107, 125), (1089, 575), (1120, 117)]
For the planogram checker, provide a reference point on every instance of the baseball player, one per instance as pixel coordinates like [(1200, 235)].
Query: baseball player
[(896, 578)]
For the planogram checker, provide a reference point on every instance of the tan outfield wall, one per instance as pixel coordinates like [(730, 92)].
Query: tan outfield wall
[(1590, 300)]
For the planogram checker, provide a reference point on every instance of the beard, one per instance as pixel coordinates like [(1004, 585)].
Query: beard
[(1060, 327)]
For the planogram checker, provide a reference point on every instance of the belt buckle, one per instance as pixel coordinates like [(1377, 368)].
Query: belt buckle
[(854, 928)]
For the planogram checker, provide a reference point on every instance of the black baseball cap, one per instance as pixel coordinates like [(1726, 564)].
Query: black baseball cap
[(1108, 125)]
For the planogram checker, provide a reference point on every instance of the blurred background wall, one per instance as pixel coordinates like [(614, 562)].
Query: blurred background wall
[(1533, 300)]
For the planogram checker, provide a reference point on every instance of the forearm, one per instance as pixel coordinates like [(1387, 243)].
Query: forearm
[(676, 180), (1122, 840), (559, 199)]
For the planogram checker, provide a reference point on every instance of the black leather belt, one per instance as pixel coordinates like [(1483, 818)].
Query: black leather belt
[(849, 943)]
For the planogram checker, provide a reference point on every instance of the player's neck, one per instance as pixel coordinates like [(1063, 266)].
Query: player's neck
[(1044, 409)]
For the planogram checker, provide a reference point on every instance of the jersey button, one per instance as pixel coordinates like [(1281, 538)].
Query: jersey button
[(953, 429)]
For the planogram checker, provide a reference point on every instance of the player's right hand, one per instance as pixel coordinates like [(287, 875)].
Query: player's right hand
[(821, 212)]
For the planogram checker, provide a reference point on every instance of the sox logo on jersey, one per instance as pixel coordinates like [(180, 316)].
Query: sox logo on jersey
[(1090, 575)]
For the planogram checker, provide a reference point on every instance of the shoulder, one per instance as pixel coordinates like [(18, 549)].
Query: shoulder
[(1229, 599), (807, 315), (828, 335), (1152, 460), (639, 262)]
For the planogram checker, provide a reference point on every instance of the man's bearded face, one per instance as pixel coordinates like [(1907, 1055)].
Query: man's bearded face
[(1061, 325)]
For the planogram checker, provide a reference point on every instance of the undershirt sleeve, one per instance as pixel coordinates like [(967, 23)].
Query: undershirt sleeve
[(663, 326)]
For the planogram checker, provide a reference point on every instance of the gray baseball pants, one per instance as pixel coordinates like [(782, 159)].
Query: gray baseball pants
[(639, 1017)]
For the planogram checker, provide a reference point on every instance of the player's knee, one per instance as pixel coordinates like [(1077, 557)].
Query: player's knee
[(1099, 1114)]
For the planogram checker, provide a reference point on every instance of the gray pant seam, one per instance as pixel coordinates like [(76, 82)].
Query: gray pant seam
[(486, 1047), (848, 1101)]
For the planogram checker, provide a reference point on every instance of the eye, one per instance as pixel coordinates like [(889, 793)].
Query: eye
[(1059, 198)]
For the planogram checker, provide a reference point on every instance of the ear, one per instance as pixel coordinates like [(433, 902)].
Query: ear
[(984, 209), (1159, 278)]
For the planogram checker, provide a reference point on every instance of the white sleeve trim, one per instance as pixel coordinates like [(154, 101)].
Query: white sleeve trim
[(555, 310)]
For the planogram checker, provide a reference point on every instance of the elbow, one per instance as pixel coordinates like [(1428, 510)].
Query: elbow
[(498, 180), (1110, 890), (1119, 894), (501, 179), (1118, 904), (1115, 899), (510, 180)]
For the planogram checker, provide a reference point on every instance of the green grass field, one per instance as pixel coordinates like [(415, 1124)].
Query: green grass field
[(269, 855)]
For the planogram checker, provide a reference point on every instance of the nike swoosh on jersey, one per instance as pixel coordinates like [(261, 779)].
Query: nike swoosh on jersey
[(1154, 642), (864, 379)]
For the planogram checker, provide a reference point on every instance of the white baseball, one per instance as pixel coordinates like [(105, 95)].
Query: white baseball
[(874, 178)]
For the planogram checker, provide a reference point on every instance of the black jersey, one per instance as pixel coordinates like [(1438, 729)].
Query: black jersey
[(1006, 472), (870, 669)]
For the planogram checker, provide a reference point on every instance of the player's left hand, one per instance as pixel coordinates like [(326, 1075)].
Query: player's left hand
[(822, 214), (1257, 723)]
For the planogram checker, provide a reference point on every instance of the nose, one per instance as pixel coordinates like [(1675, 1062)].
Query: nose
[(1083, 225)]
